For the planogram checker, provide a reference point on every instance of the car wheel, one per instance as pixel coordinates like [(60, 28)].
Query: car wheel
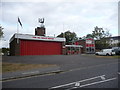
[(96, 54), (107, 54)]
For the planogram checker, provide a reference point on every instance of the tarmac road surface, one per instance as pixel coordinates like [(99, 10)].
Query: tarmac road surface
[(89, 72), (65, 62)]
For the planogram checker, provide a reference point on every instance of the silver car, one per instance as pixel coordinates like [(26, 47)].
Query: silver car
[(106, 52)]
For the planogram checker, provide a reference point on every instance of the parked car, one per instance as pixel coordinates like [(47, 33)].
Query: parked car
[(117, 50), (106, 52)]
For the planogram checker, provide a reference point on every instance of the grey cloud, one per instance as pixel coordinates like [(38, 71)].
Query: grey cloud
[(76, 16)]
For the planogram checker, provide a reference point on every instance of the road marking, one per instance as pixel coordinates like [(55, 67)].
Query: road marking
[(102, 77), (93, 83), (118, 72), (76, 82), (98, 82)]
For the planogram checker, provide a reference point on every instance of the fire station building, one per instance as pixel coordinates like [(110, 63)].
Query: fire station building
[(23, 44), (81, 46), (88, 45), (38, 44)]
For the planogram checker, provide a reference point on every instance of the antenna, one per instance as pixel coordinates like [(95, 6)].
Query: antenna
[(41, 21)]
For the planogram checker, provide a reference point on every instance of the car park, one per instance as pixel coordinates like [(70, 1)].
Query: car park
[(106, 52)]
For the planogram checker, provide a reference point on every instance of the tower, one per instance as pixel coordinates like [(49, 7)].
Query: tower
[(40, 31)]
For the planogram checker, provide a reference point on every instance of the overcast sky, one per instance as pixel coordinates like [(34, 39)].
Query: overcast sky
[(77, 16)]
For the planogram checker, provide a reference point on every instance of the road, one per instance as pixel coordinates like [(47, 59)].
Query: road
[(65, 62), (103, 74)]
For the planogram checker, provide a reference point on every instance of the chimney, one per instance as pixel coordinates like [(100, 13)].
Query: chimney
[(40, 31)]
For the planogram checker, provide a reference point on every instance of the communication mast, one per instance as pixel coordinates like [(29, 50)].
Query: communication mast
[(41, 21), (40, 31)]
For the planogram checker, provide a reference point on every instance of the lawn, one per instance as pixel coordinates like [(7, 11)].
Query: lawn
[(11, 67), (117, 56)]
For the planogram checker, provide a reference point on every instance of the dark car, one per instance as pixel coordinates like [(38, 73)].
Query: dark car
[(117, 50)]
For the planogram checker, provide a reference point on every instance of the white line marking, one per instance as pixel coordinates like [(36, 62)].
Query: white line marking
[(102, 77), (75, 82), (95, 83), (98, 82)]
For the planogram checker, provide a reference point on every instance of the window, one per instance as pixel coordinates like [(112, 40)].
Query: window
[(87, 49), (92, 49)]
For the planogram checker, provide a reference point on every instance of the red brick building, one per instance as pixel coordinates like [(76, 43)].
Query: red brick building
[(23, 44), (38, 44), (88, 45)]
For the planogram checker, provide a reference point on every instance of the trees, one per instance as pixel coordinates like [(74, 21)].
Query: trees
[(102, 44), (5, 50), (1, 32), (70, 36), (118, 44), (99, 33), (101, 37), (89, 36)]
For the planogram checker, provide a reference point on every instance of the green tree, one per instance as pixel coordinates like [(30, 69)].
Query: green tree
[(118, 44), (101, 36), (102, 44), (5, 50), (99, 33), (70, 36), (1, 31), (89, 36)]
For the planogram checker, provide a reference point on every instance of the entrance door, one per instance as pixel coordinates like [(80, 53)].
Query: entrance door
[(32, 47)]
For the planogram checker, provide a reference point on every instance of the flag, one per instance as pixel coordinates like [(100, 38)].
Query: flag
[(19, 22)]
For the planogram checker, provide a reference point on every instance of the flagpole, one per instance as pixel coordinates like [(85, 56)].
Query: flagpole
[(63, 34), (17, 31)]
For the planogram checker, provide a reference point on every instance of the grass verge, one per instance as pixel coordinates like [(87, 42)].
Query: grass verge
[(110, 56), (12, 67)]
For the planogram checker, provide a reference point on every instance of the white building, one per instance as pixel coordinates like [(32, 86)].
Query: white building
[(113, 41)]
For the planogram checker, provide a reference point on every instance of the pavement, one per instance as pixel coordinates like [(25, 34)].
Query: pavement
[(28, 73), (64, 63)]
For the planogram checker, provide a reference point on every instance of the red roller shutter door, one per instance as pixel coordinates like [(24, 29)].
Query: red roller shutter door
[(31, 47)]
